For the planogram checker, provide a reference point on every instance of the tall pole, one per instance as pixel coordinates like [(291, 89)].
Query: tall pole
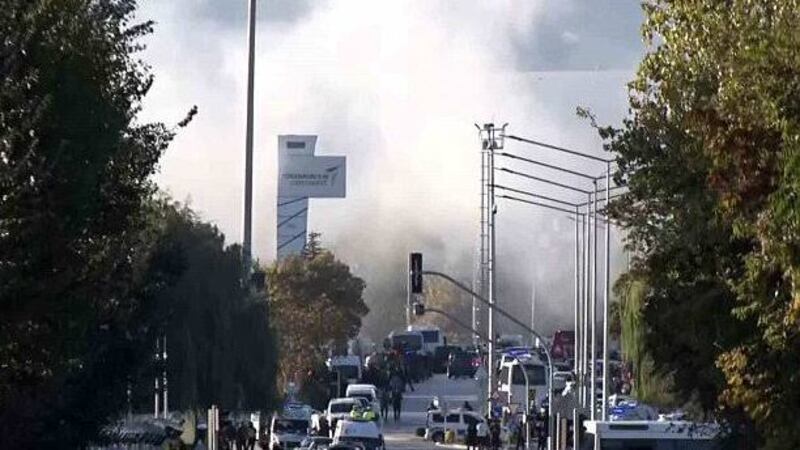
[(408, 295), (533, 309), (492, 252), (593, 309), (157, 396), (576, 307), (164, 376), (606, 297), (248, 145), (586, 269)]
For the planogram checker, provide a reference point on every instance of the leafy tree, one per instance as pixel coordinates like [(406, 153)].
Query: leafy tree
[(446, 297), (315, 302), (220, 344), (78, 276), (710, 154)]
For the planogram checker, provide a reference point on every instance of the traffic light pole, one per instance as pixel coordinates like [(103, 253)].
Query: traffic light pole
[(493, 307)]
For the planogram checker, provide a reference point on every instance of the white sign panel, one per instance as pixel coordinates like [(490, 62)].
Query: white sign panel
[(313, 176)]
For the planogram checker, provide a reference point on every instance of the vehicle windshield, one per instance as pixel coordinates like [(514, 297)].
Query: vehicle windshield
[(407, 341), (337, 408), (315, 440), (536, 375), (346, 371), (290, 426), (365, 395), (430, 336)]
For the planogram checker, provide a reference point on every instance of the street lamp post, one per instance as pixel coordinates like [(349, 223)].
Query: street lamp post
[(606, 298), (248, 146)]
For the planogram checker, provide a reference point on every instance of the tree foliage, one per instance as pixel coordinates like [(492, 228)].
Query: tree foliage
[(220, 345), (710, 154), (442, 295), (78, 273), (315, 302)]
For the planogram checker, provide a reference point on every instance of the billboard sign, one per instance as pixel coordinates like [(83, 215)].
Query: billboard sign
[(313, 176)]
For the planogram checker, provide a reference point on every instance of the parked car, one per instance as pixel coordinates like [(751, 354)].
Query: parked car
[(457, 420), (440, 356), (462, 364)]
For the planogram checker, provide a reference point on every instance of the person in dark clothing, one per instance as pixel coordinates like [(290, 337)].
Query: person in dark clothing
[(397, 404), (541, 430), (467, 406), (407, 379), (472, 436), (520, 436), (495, 435), (386, 398), (251, 436), (241, 436)]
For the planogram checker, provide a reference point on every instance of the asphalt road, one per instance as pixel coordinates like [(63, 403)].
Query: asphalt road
[(401, 435)]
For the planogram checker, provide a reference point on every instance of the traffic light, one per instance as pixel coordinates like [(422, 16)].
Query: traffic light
[(415, 272), (419, 309)]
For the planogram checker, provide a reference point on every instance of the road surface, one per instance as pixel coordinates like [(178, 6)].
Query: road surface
[(401, 435)]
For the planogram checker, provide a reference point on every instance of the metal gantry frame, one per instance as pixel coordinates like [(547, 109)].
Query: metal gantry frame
[(585, 258)]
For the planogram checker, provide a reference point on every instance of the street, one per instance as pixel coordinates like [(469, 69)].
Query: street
[(401, 435)]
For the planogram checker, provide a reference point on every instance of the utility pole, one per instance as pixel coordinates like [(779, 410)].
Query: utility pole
[(593, 292), (157, 391), (533, 309), (492, 253), (577, 306), (164, 376), (490, 141), (247, 243), (606, 296)]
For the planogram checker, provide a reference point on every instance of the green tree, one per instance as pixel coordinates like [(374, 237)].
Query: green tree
[(710, 154), (220, 344), (77, 275), (315, 301), (442, 295)]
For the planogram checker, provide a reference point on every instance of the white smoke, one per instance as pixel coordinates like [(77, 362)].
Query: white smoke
[(396, 86)]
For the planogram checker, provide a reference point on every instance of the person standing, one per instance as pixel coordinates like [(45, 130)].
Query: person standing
[(251, 436), (520, 431), (541, 429), (472, 436), (495, 435), (386, 398), (397, 403), (482, 434)]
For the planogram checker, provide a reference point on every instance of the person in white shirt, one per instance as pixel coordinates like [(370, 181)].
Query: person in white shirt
[(482, 432)]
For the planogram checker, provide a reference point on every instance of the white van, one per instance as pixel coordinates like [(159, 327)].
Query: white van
[(288, 429), (650, 435), (457, 420), (367, 391), (432, 337), (512, 381), (359, 432)]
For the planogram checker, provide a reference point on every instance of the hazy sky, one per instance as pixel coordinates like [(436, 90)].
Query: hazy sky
[(396, 86)]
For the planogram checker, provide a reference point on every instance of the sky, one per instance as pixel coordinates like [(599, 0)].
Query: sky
[(396, 86)]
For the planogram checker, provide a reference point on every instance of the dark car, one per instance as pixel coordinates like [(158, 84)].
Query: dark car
[(440, 355), (462, 364)]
